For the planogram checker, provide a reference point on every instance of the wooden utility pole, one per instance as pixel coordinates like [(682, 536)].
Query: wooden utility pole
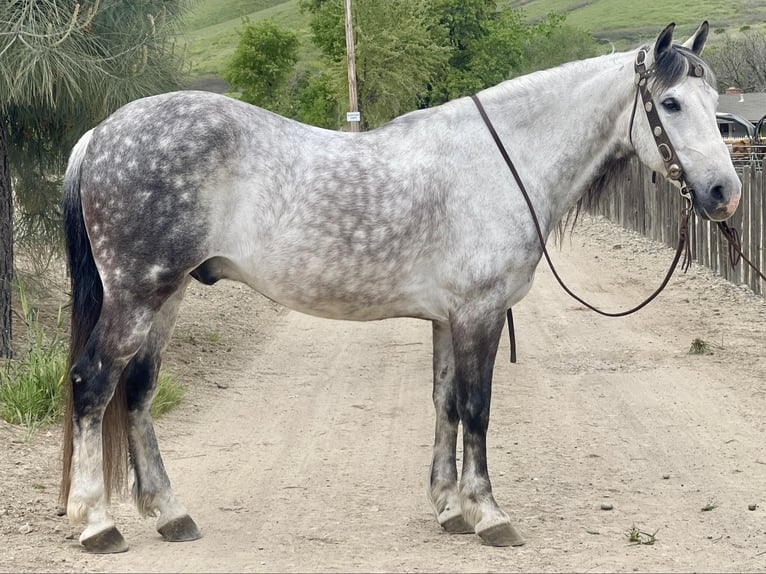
[(352, 117)]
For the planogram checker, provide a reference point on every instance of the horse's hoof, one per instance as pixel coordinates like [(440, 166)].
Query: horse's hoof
[(108, 541), (499, 534), (181, 529), (451, 519)]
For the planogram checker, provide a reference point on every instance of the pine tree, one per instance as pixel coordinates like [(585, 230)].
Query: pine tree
[(64, 66)]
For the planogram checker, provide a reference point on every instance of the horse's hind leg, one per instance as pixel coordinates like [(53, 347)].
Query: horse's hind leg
[(118, 334), (152, 492), (443, 485), (475, 335)]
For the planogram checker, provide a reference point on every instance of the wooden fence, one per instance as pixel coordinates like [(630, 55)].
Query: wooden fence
[(653, 209)]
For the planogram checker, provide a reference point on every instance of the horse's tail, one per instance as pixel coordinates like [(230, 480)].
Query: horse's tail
[(87, 297)]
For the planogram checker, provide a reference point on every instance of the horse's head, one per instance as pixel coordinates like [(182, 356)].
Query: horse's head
[(676, 133)]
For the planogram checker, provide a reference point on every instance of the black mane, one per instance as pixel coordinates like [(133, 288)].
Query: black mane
[(674, 64)]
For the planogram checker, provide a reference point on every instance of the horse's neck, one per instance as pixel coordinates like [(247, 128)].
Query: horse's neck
[(562, 127)]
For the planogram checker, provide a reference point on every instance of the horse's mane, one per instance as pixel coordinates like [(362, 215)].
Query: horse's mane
[(612, 174), (674, 64)]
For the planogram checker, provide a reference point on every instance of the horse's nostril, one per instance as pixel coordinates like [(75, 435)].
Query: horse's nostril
[(717, 193)]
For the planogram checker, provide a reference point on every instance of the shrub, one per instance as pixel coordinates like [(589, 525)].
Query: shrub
[(30, 387)]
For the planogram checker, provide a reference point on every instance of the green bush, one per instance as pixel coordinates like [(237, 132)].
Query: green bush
[(30, 391), (30, 387)]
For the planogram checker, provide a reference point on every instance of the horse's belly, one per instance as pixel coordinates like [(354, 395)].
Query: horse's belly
[(352, 296), (362, 312)]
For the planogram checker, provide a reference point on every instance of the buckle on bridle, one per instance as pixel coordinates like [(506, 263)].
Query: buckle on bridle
[(640, 67)]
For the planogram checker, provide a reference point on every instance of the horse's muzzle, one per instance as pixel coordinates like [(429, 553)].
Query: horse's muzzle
[(719, 202)]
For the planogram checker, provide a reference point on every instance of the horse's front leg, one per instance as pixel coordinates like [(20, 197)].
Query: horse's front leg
[(443, 485), (475, 337)]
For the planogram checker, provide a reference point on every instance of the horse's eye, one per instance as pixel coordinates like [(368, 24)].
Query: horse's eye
[(671, 104)]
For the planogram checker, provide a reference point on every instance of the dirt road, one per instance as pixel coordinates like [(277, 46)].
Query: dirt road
[(304, 444)]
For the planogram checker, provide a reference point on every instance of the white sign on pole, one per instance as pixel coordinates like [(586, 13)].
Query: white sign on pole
[(353, 116)]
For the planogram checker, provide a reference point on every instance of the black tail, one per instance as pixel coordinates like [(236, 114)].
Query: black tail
[(87, 296)]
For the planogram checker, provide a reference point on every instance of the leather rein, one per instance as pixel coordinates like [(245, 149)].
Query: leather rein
[(674, 171)]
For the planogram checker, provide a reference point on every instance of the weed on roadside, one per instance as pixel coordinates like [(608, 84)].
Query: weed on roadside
[(699, 347), (167, 396), (639, 537)]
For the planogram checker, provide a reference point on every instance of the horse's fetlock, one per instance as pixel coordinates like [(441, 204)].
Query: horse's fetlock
[(146, 504), (440, 496), (76, 510)]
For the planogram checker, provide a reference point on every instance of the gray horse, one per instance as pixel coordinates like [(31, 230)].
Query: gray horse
[(419, 218)]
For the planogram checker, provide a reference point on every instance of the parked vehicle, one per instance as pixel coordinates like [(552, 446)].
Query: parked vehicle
[(746, 142)]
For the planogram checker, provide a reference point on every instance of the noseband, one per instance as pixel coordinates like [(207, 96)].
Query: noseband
[(668, 153)]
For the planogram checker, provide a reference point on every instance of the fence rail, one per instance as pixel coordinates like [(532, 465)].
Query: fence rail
[(653, 209)]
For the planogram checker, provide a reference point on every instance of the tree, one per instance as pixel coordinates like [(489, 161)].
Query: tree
[(398, 57), (491, 45), (327, 27), (740, 61), (424, 52), (552, 42), (399, 52), (263, 60), (63, 67), (466, 25), (317, 100)]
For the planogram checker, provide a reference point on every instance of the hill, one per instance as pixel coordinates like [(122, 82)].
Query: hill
[(630, 23), (210, 30), (211, 27)]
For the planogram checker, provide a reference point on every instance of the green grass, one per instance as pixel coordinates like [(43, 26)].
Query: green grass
[(30, 387), (30, 391), (699, 347), (206, 14), (167, 396)]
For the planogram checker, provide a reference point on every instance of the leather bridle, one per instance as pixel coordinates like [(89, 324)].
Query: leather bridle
[(673, 167)]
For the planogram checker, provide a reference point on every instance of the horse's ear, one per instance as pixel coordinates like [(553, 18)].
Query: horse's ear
[(697, 41), (664, 41)]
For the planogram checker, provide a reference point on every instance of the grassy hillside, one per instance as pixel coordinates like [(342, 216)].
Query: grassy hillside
[(211, 28), (630, 23)]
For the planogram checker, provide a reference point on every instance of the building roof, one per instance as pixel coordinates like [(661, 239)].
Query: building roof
[(750, 106)]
